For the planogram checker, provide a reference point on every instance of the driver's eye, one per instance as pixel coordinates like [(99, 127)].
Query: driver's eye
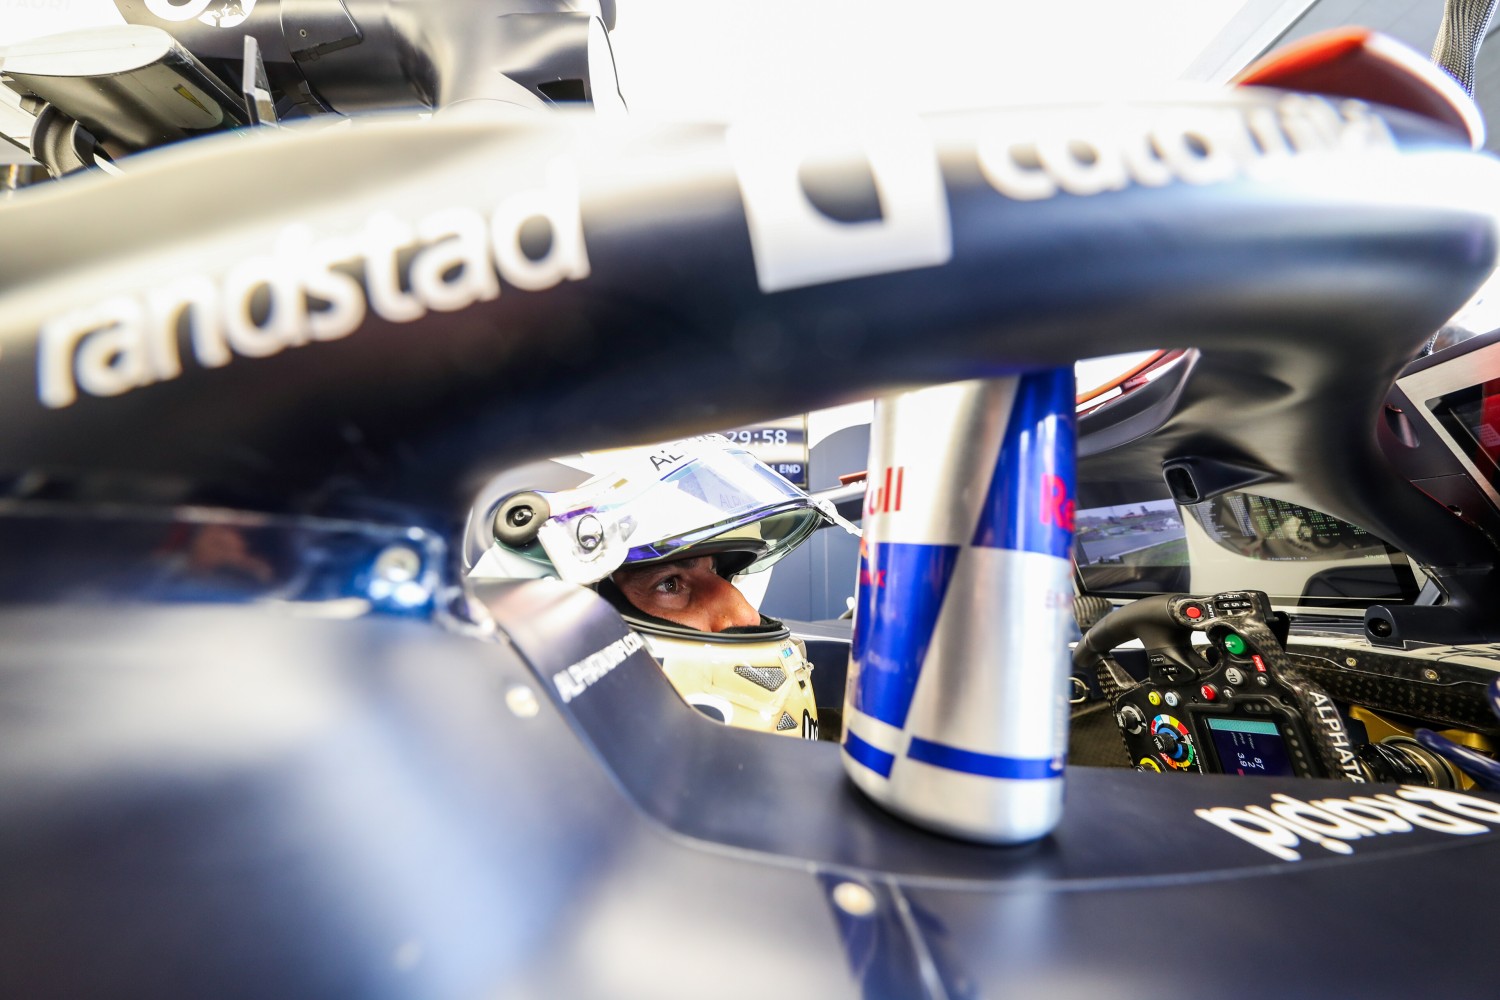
[(668, 585)]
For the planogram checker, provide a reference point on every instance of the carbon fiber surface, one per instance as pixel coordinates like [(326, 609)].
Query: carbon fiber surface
[(1435, 686), (1094, 739)]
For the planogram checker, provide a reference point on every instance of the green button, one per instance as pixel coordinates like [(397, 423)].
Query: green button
[(1234, 644)]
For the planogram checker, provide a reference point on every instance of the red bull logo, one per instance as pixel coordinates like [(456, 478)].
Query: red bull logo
[(1057, 505), (882, 498), (868, 577)]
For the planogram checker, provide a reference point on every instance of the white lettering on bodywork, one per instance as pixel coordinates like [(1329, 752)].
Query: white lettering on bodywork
[(1098, 151), (1333, 823), (582, 675), (305, 289)]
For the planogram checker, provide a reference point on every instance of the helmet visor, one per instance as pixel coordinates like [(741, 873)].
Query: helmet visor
[(702, 496)]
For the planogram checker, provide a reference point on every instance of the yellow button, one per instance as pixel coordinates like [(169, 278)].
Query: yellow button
[(1154, 698), (1147, 764)]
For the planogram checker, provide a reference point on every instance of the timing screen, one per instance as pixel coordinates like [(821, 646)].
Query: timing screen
[(1249, 746)]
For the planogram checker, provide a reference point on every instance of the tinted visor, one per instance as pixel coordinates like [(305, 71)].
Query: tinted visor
[(697, 497), (753, 510)]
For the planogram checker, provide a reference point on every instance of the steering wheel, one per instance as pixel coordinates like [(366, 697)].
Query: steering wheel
[(1248, 709)]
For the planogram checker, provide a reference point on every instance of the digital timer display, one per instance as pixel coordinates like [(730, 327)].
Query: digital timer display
[(781, 444), (772, 436)]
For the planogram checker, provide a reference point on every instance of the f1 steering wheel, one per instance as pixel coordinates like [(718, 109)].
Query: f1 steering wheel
[(1244, 708)]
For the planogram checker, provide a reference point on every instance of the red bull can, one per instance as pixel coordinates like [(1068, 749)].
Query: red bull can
[(956, 707)]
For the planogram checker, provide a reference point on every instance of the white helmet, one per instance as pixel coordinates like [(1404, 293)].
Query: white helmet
[(695, 497)]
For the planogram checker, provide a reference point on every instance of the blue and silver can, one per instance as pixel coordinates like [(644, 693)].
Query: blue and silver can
[(956, 709)]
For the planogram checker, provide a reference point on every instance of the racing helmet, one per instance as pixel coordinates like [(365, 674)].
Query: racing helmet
[(701, 496)]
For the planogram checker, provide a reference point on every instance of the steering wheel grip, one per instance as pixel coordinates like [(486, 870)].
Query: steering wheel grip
[(1148, 619)]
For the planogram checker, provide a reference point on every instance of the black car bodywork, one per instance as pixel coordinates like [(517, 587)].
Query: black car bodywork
[(300, 776)]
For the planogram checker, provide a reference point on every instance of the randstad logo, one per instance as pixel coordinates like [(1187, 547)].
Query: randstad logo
[(797, 243), (1337, 824), (308, 290)]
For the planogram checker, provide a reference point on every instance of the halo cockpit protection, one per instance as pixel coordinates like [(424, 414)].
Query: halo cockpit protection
[(440, 784)]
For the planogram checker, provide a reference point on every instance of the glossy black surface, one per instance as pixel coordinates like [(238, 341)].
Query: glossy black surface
[(280, 784), (242, 801)]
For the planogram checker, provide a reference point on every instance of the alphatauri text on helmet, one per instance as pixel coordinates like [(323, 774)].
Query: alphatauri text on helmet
[(308, 289), (1337, 824), (582, 675), (670, 456)]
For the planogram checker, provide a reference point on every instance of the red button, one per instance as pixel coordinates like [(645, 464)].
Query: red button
[(1209, 694), (1259, 663), (1193, 611)]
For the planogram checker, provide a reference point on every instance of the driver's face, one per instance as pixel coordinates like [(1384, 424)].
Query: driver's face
[(688, 592)]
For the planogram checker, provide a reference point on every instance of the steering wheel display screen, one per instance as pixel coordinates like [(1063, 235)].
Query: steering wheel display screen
[(1249, 746)]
